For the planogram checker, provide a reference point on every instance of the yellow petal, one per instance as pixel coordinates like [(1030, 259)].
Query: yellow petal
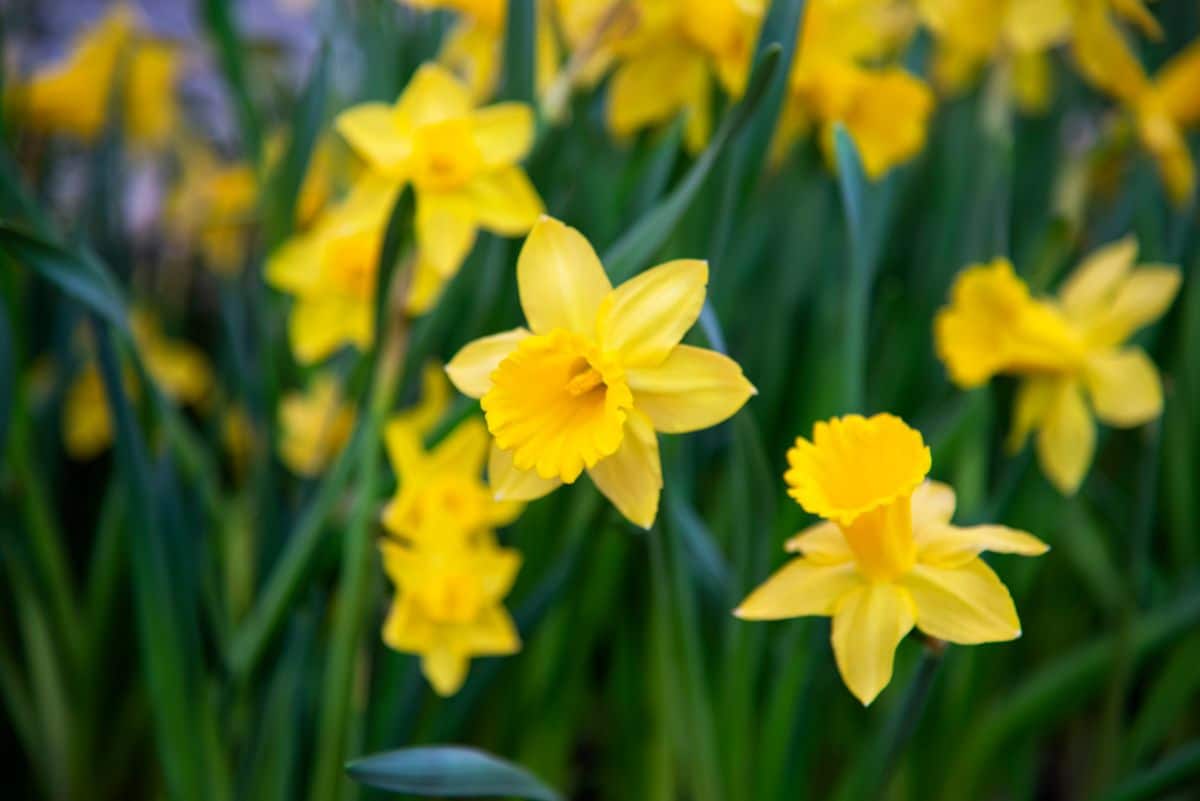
[(319, 326), (377, 134), (868, 624), (647, 316), (404, 447), (433, 95), (445, 669), (505, 201), (471, 368), (296, 265), (932, 503), (801, 587), (1033, 399), (949, 546), (966, 605), (1136, 12), (1176, 86), (445, 228), (1143, 297), (498, 570), (654, 87), (561, 280), (693, 389), (493, 634), (1124, 387), (510, 484), (822, 544), (406, 628), (1067, 438), (1104, 57), (463, 450), (504, 133), (1033, 76), (1096, 279), (1037, 24), (632, 477)]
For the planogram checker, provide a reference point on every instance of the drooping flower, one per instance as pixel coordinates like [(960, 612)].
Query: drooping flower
[(597, 372), (461, 160), (315, 425), (1069, 353), (886, 557)]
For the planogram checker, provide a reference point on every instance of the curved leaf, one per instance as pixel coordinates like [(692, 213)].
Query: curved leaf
[(520, 49), (448, 771)]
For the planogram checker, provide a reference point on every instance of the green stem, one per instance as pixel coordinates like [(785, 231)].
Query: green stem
[(1173, 772), (857, 297)]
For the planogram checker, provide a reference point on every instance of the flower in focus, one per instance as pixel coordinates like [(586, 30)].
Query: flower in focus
[(1070, 353), (461, 161), (331, 270), (314, 425), (597, 372), (836, 77), (885, 557), (72, 96)]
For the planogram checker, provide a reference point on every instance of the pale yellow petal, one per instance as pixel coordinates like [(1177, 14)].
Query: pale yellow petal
[(296, 265), (378, 135), (966, 604), (693, 389), (493, 634), (1067, 438), (445, 669), (1098, 276), (1177, 85), (505, 201), (932, 503), (498, 571), (510, 484), (1033, 399), (471, 368), (404, 447), (1143, 297), (406, 628), (433, 95), (504, 133), (560, 278), (801, 587), (1136, 12), (949, 546), (647, 316), (632, 477), (1104, 57), (445, 229), (822, 544), (1124, 387), (653, 88), (462, 451), (319, 326), (868, 624)]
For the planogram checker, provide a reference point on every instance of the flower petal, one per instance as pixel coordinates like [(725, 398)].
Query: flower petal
[(801, 587), (471, 368), (967, 604), (445, 669), (463, 451), (1067, 438), (1143, 297), (1034, 397), (377, 134), (950, 546), (504, 133), (560, 278), (653, 87), (433, 95), (867, 626), (493, 634), (510, 484), (632, 477), (295, 266), (1097, 277), (693, 389), (647, 316), (1124, 387), (505, 202), (1176, 85), (445, 228), (932, 502), (822, 544), (319, 326)]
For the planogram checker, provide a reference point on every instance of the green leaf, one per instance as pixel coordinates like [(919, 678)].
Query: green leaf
[(857, 298), (639, 244), (292, 168), (448, 771), (8, 373), (1177, 771), (520, 52), (77, 274), (218, 18)]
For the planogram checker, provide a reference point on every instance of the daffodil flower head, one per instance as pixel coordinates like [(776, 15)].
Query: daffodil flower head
[(596, 374), (315, 425), (1069, 353), (886, 557)]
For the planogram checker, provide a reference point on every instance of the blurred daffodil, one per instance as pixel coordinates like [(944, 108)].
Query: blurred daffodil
[(213, 204), (331, 269), (596, 374), (315, 425), (886, 557), (462, 162), (1068, 352)]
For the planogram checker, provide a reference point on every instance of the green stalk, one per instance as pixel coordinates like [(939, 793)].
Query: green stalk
[(1174, 772), (857, 298)]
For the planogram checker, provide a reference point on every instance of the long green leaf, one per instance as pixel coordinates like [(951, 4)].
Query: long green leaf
[(288, 178), (218, 17), (852, 181), (520, 51), (1178, 771), (448, 771)]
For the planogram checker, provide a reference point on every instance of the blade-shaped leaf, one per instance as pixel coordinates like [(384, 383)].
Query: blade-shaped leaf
[(520, 51), (449, 772)]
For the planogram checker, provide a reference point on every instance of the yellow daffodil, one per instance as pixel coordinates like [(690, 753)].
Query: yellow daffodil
[(1164, 107), (461, 161), (597, 372), (72, 96), (329, 165), (86, 423), (314, 425), (886, 557), (448, 605), (667, 62), (1067, 352), (213, 203), (331, 270)]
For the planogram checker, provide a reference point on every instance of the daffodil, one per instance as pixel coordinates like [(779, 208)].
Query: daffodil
[(597, 372), (461, 160), (885, 557), (1163, 108), (72, 95), (331, 270), (448, 605), (1070, 353), (213, 203), (315, 425)]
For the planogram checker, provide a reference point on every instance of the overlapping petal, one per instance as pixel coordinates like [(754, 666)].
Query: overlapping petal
[(799, 588), (693, 388), (1067, 438), (1124, 387), (632, 477), (967, 604), (471, 368), (646, 317), (868, 624), (561, 280)]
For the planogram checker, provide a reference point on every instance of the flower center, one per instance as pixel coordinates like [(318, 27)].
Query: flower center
[(351, 261), (882, 540), (445, 155), (558, 404)]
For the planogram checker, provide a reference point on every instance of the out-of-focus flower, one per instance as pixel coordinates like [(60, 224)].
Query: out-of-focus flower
[(462, 162), (73, 95), (315, 425), (886, 557), (666, 63), (1067, 352), (836, 77), (239, 438), (329, 166), (1163, 107), (86, 422), (331, 270), (596, 374), (213, 204)]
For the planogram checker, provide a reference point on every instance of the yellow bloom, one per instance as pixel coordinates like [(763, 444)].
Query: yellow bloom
[(1067, 352), (86, 422), (596, 374), (461, 161), (315, 425), (331, 271), (213, 203), (448, 606), (886, 558)]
